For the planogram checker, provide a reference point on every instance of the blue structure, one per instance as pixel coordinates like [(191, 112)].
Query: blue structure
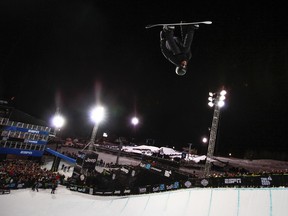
[(59, 155), (24, 139)]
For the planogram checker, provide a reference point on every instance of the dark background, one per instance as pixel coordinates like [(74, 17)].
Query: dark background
[(73, 54)]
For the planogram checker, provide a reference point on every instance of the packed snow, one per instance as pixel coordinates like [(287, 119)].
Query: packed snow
[(195, 201)]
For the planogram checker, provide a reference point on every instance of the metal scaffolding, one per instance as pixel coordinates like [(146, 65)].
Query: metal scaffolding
[(216, 100)]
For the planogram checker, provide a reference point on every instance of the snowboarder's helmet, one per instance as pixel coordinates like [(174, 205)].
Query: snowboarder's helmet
[(180, 71)]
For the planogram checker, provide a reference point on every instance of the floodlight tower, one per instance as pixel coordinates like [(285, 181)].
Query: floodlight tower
[(216, 100), (97, 115), (134, 122), (58, 121)]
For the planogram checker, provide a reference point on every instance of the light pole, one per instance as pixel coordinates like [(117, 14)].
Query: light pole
[(216, 100), (203, 146), (57, 121), (97, 115), (134, 122), (189, 151), (119, 151)]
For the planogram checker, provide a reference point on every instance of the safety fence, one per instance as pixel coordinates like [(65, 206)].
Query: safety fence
[(5, 188), (217, 182)]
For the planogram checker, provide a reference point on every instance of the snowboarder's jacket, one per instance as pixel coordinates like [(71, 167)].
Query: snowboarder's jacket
[(174, 49)]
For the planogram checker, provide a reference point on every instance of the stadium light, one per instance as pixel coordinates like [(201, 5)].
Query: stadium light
[(58, 121), (97, 115), (216, 100), (135, 121), (204, 139)]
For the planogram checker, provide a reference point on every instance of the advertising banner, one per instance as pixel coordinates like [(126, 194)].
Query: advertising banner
[(244, 181), (23, 152), (90, 161), (80, 158), (13, 128)]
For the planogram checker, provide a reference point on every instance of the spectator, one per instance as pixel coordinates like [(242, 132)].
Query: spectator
[(35, 185), (54, 186)]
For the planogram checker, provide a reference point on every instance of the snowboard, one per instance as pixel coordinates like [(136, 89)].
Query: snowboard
[(178, 24)]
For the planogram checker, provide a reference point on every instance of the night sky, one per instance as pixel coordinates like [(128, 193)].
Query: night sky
[(72, 54)]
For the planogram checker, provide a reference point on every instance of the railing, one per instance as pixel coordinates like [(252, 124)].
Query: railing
[(5, 121)]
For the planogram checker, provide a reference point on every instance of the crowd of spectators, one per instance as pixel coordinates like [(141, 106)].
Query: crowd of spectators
[(27, 174), (240, 172)]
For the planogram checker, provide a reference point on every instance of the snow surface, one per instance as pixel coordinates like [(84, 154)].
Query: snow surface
[(195, 201)]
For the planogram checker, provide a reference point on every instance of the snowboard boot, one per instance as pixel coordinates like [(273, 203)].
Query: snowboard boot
[(196, 26)]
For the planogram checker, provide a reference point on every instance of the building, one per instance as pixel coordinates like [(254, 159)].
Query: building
[(21, 135)]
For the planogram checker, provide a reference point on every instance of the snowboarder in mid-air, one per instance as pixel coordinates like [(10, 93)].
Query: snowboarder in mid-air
[(177, 50)]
